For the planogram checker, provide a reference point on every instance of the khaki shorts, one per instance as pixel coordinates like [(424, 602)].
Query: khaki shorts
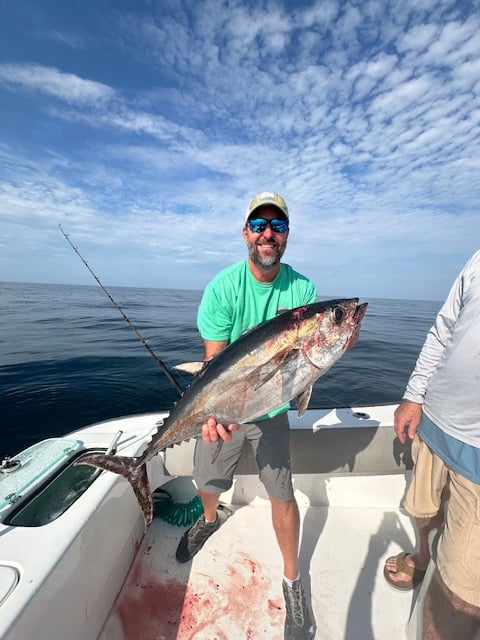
[(458, 551), (270, 441)]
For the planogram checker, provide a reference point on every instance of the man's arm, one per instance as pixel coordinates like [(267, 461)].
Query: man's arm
[(212, 348), (408, 414), (435, 343)]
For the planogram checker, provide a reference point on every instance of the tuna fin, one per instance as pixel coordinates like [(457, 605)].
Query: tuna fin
[(190, 367), (302, 400), (266, 371), (130, 469)]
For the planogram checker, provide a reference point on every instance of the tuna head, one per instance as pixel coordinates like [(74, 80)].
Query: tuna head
[(332, 329), (315, 337)]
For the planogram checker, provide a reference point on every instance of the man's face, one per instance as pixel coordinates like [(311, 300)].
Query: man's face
[(267, 247)]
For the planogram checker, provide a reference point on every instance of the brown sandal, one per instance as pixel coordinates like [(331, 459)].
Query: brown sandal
[(416, 575)]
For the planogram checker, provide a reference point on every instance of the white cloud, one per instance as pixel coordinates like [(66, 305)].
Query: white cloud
[(365, 117), (52, 82)]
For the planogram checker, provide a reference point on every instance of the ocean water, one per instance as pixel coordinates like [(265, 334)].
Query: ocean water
[(68, 358)]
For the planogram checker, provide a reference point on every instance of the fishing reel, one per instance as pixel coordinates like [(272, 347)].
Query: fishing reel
[(8, 465)]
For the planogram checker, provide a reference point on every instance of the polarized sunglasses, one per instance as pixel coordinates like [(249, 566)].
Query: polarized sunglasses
[(258, 225)]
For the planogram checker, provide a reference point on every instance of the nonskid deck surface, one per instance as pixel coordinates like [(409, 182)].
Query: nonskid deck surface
[(232, 588)]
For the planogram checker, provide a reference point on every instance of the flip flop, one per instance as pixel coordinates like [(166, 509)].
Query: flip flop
[(416, 575)]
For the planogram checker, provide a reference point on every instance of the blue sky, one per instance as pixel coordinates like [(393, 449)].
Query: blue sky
[(144, 127)]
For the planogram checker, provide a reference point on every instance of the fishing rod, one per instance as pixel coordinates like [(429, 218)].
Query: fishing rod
[(159, 362)]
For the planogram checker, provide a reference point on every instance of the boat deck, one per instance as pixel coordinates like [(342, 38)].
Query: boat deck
[(232, 588), (78, 558)]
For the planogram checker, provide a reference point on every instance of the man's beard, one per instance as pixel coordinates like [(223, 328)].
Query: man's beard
[(265, 262)]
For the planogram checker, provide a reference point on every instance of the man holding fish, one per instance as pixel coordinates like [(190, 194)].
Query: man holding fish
[(266, 341), (238, 298)]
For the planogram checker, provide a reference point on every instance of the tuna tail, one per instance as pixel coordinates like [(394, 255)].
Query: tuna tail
[(129, 468)]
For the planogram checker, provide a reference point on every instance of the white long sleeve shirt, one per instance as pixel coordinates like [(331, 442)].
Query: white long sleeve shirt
[(446, 378)]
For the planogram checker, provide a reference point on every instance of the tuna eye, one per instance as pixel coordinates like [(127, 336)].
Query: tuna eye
[(338, 314)]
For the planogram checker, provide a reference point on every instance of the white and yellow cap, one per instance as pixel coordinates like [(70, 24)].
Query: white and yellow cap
[(266, 197)]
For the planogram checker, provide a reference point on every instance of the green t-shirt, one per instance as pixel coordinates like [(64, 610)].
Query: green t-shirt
[(235, 301)]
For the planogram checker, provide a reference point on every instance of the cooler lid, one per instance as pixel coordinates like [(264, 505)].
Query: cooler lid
[(31, 467)]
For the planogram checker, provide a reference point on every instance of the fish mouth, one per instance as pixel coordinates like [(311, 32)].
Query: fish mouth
[(357, 320), (360, 312)]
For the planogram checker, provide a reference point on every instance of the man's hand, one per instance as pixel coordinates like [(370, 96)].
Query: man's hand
[(407, 414), (212, 431)]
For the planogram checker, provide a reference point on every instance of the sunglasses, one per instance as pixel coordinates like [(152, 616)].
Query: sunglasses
[(258, 225)]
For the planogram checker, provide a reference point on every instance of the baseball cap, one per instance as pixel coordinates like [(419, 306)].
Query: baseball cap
[(266, 197)]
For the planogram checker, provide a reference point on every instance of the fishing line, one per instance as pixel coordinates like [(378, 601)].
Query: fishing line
[(166, 508), (330, 397), (159, 362)]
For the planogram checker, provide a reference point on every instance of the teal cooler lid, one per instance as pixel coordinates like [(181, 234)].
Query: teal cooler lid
[(37, 463)]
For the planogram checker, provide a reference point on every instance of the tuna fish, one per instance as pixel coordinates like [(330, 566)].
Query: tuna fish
[(270, 365)]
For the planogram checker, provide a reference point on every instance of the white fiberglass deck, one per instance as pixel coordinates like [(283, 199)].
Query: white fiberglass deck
[(232, 588)]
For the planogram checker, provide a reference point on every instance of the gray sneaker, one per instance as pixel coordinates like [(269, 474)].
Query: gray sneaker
[(298, 623), (194, 538)]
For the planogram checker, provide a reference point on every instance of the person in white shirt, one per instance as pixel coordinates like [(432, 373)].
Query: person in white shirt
[(440, 412)]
